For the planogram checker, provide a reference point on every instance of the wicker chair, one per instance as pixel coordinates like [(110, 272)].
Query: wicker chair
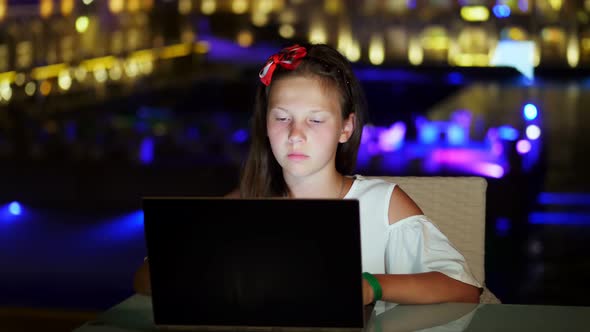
[(457, 206)]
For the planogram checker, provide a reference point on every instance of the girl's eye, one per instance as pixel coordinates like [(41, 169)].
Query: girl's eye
[(316, 121), (282, 119)]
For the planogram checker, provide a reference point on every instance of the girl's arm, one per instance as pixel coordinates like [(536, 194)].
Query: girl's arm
[(420, 288), (141, 279)]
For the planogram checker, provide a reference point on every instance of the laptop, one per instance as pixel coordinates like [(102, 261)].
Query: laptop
[(221, 263)]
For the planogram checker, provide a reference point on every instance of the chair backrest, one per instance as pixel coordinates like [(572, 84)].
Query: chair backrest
[(457, 206)]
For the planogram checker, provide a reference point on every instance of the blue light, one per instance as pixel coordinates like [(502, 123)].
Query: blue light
[(146, 150), (549, 198), (15, 208), (428, 133), (240, 136), (559, 218), (507, 133), (120, 228), (455, 78), (456, 135), (530, 112), (501, 11), (502, 226)]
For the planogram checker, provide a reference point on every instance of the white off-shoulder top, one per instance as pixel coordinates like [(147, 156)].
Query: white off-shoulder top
[(411, 245)]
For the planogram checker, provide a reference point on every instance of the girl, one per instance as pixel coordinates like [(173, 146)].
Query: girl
[(306, 131)]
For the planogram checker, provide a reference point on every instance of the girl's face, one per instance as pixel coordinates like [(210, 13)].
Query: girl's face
[(304, 125)]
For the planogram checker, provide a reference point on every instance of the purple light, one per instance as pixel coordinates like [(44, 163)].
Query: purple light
[(488, 169), (469, 161), (523, 146), (146, 150), (392, 139), (367, 131), (240, 136), (497, 149), (533, 132), (462, 118), (523, 5)]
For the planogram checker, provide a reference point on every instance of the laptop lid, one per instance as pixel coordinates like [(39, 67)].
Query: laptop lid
[(254, 262)]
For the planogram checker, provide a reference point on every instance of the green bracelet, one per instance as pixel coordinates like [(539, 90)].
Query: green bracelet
[(374, 283)]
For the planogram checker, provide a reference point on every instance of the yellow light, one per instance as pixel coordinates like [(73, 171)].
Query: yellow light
[(475, 13), (19, 79), (100, 75), (376, 50), (67, 6), (30, 88), (143, 55), (8, 76), (263, 6), (555, 4), (239, 6), (80, 73), (146, 67), (5, 91), (116, 73), (116, 6), (415, 52), (175, 51), (46, 8), (202, 47), (573, 52), (333, 7), (82, 24), (87, 2), (64, 80), (45, 72), (208, 7), (131, 69), (245, 38), (45, 88), (259, 19), (3, 9), (354, 51), (344, 38), (102, 62), (286, 31), (133, 5), (185, 6), (471, 60), (515, 33), (317, 33)]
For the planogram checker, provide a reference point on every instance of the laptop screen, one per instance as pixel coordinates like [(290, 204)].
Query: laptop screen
[(254, 262)]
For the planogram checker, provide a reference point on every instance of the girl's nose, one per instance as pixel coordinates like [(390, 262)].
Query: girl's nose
[(296, 134)]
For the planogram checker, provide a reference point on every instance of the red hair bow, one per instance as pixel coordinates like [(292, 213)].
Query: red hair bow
[(288, 58)]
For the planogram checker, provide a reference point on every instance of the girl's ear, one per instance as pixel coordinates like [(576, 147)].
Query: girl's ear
[(347, 128)]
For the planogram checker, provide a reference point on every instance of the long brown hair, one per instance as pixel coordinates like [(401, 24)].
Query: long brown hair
[(262, 175)]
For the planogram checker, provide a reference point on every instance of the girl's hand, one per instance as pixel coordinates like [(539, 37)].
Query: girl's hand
[(367, 293)]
